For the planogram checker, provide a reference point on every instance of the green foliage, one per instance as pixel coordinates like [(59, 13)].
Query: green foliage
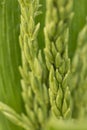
[(52, 92)]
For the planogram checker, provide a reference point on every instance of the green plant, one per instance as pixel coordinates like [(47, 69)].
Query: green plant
[(52, 93), (56, 51)]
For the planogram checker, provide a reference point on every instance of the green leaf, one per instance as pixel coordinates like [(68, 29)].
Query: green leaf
[(10, 88), (80, 13)]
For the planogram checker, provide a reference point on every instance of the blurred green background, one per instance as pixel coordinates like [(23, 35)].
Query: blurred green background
[(79, 20), (10, 59), (10, 55)]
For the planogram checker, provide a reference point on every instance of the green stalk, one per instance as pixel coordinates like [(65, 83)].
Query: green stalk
[(58, 16)]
